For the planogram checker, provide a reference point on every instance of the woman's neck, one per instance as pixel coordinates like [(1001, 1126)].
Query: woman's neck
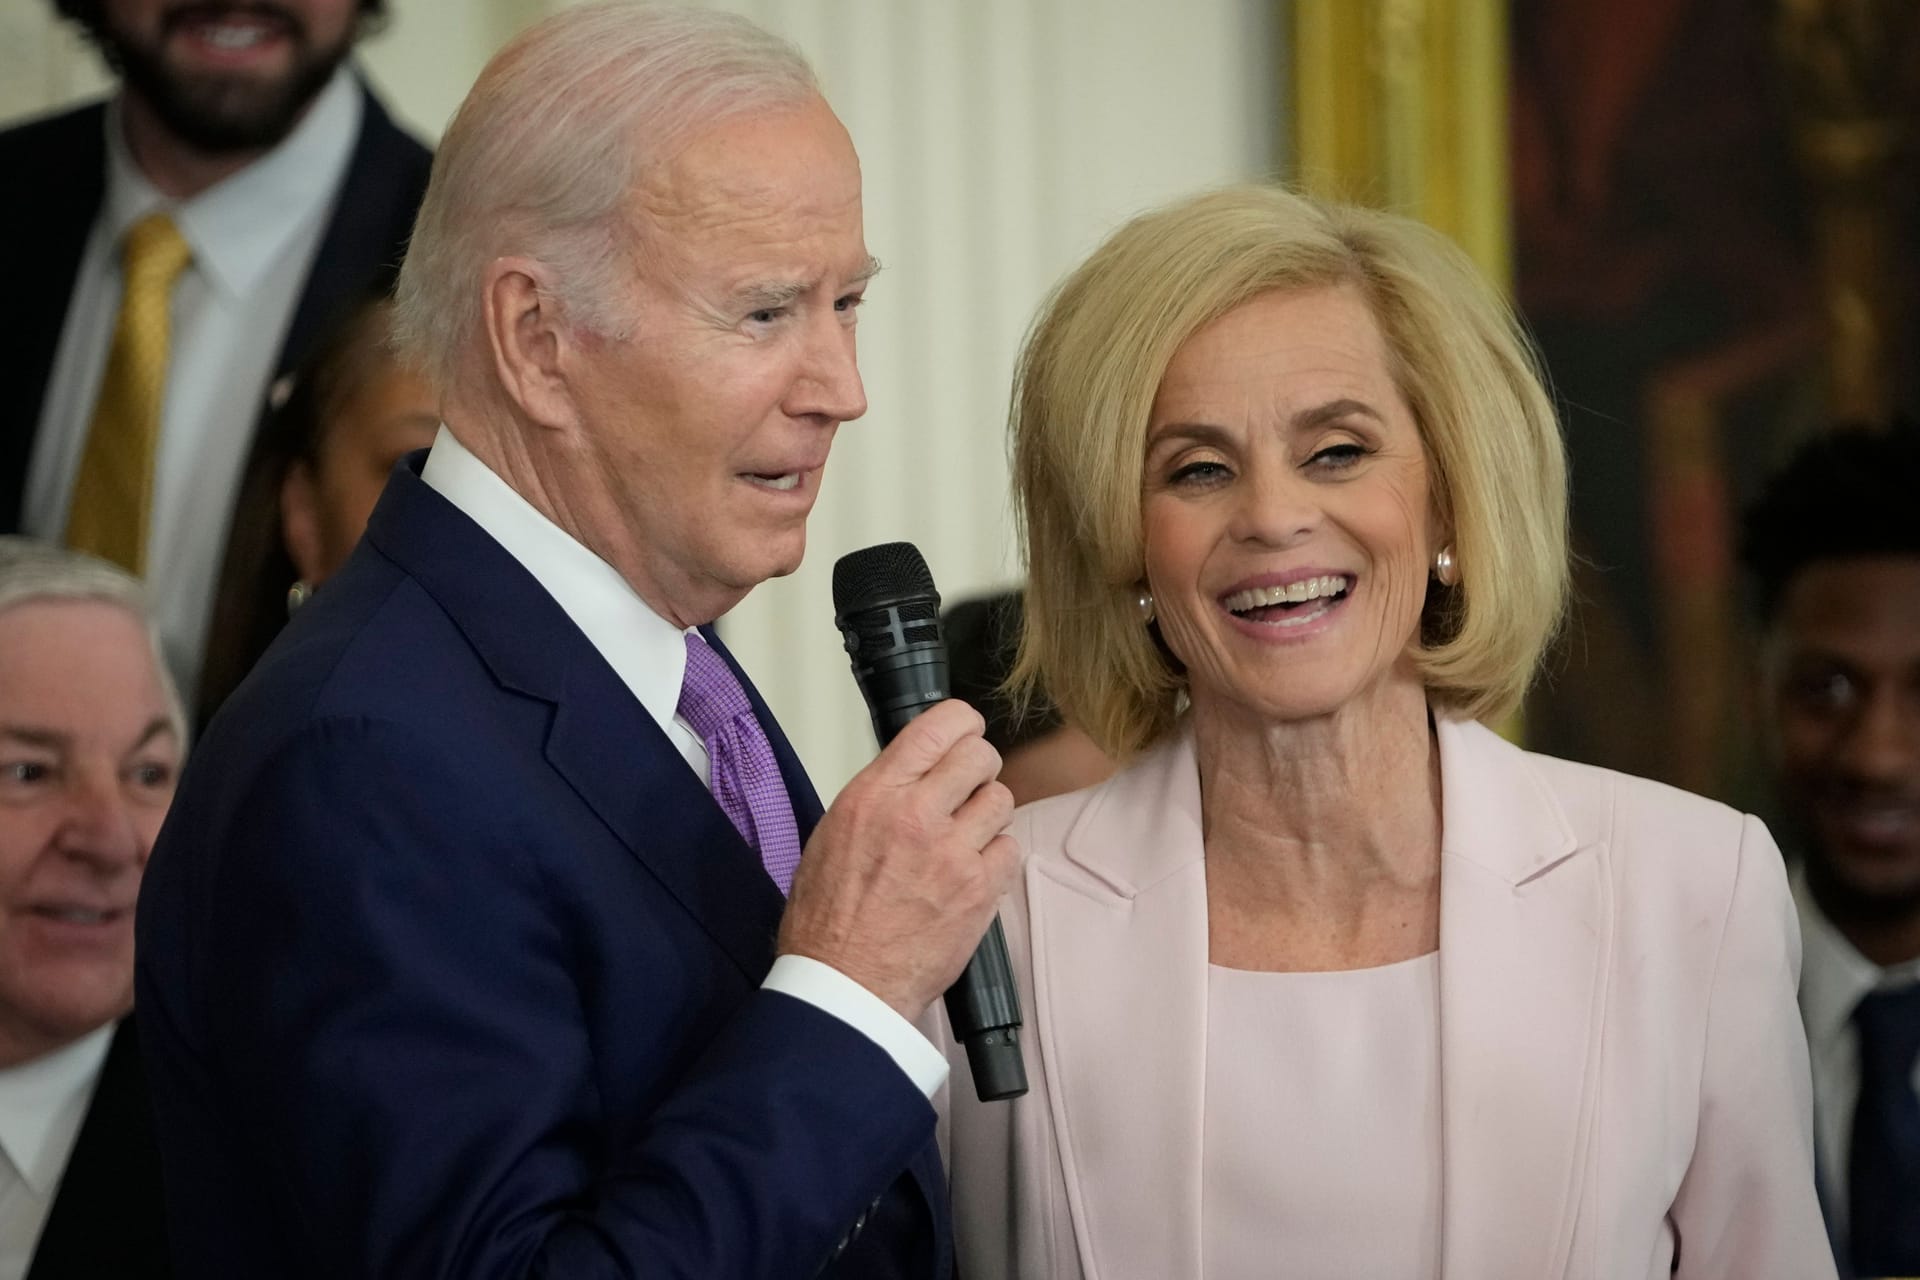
[(1322, 836)]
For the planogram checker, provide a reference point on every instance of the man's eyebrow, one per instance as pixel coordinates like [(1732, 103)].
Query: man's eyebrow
[(771, 295), (54, 740), (33, 736), (155, 727)]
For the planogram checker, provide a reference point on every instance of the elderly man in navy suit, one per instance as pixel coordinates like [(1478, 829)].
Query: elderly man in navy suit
[(497, 931)]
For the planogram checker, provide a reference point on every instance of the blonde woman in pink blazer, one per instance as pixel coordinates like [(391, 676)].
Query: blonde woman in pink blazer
[(1331, 980)]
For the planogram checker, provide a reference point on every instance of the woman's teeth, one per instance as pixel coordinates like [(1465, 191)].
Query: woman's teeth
[(1326, 585)]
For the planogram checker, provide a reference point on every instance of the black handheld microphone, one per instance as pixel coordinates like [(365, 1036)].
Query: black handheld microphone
[(889, 615)]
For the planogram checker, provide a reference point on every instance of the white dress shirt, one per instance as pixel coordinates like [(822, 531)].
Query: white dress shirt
[(42, 1103), (649, 655), (1833, 979), (253, 237)]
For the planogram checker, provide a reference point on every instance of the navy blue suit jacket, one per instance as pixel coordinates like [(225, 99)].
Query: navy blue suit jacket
[(449, 966)]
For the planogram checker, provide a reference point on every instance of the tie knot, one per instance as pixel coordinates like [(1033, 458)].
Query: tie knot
[(1889, 1025), (155, 251), (710, 695)]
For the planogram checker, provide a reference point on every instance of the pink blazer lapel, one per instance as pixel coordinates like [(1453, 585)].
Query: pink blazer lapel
[(1525, 929), (1120, 947)]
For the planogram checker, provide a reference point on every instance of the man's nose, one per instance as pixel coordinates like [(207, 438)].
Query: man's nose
[(100, 828), (829, 385)]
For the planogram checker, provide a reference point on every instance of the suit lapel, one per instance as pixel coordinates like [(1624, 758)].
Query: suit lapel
[(622, 765), (600, 740), (1120, 962), (1525, 927)]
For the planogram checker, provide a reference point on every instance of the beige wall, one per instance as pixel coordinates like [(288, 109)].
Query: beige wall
[(1001, 140)]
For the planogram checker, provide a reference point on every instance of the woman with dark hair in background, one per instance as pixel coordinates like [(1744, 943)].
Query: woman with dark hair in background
[(1041, 754), (351, 411)]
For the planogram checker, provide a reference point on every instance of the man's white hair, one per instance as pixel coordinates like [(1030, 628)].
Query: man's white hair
[(542, 155), (32, 571)]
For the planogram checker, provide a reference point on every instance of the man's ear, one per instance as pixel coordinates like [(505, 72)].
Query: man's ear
[(528, 337)]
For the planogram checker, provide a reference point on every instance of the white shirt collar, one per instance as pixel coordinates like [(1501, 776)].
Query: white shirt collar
[(42, 1103), (1833, 974), (239, 227), (646, 651)]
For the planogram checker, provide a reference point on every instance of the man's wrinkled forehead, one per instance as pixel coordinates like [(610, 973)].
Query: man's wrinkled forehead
[(794, 160)]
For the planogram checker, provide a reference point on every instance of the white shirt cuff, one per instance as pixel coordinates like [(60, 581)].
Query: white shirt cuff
[(827, 989)]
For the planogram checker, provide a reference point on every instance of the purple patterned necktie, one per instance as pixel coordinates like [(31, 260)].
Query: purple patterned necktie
[(746, 778)]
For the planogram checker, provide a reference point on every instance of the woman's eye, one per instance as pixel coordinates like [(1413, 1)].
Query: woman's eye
[(1199, 473), (1338, 455), (26, 771)]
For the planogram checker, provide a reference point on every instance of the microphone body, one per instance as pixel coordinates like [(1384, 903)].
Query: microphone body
[(889, 616)]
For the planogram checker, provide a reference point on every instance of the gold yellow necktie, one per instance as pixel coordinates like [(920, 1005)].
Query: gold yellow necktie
[(113, 494)]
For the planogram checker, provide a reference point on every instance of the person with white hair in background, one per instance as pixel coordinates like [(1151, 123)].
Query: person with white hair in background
[(91, 736), (497, 931)]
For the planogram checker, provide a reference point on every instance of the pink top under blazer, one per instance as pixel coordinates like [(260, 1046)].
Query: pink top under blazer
[(1623, 1073)]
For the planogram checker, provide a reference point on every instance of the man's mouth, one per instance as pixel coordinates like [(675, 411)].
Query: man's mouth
[(1292, 605), (74, 914), (780, 481), (230, 28), (1879, 822)]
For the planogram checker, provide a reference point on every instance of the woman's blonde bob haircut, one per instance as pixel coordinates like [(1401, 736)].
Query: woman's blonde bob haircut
[(1086, 385)]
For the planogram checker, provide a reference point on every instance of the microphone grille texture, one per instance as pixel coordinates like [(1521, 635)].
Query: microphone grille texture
[(881, 574)]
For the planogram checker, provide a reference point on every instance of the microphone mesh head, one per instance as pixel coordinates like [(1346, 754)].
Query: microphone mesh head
[(886, 572)]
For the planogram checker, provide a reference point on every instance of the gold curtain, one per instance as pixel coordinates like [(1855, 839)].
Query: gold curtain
[(1403, 104)]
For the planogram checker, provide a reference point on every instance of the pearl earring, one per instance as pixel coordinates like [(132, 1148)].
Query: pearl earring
[(298, 594), (1445, 571), (1144, 603)]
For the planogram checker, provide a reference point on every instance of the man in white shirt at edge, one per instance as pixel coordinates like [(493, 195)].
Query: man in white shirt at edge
[(1834, 548), (293, 190), (446, 937), (91, 737)]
